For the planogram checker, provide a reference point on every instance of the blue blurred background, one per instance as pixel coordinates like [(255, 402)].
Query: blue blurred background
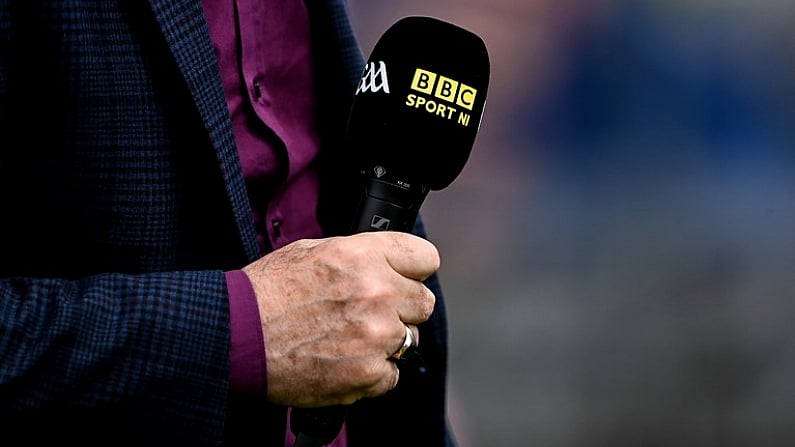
[(618, 255)]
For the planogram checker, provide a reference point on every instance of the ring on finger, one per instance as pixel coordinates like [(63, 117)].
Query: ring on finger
[(408, 342)]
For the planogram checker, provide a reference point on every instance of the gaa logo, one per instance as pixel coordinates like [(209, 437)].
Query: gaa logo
[(374, 78)]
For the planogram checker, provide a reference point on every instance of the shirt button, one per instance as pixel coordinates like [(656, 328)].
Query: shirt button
[(259, 93), (276, 224)]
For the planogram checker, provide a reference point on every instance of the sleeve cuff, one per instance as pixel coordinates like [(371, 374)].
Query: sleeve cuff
[(248, 368)]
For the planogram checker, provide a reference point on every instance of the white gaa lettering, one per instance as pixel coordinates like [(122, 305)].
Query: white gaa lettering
[(374, 79)]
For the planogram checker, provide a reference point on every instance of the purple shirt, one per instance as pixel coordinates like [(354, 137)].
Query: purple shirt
[(264, 53)]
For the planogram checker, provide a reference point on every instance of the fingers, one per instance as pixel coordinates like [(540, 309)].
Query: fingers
[(409, 255), (390, 371), (409, 341), (414, 259), (390, 380), (417, 304)]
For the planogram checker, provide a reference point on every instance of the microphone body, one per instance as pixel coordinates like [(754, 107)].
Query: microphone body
[(386, 206), (412, 124)]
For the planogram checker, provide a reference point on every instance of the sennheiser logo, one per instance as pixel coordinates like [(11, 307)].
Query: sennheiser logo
[(380, 223), (433, 88), (374, 78)]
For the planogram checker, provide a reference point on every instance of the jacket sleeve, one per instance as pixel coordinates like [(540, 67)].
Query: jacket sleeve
[(90, 356)]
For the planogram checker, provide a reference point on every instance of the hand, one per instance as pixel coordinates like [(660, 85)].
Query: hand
[(334, 311)]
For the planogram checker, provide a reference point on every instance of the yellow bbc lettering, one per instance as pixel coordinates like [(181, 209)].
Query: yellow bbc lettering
[(444, 88), (466, 96), (423, 81)]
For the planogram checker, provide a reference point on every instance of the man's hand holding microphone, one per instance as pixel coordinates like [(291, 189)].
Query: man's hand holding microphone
[(334, 311)]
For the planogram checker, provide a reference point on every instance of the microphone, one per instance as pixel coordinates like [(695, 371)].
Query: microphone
[(411, 128), (414, 117)]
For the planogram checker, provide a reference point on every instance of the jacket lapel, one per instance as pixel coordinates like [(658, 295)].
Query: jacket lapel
[(185, 30)]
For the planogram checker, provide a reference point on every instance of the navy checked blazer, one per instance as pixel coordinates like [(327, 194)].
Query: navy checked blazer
[(121, 204)]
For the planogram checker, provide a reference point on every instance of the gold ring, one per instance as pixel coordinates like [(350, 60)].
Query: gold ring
[(408, 341)]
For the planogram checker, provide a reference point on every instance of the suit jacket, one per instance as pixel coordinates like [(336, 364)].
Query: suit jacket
[(121, 204)]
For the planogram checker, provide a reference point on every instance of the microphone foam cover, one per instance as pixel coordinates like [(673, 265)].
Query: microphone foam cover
[(420, 101)]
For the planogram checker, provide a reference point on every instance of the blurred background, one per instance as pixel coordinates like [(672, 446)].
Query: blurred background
[(618, 255)]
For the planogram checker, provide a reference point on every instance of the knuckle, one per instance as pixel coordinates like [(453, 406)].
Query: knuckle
[(427, 303), (374, 331), (368, 375), (434, 258), (336, 248), (370, 290)]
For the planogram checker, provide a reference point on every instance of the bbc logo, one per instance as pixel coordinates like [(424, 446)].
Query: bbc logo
[(444, 88)]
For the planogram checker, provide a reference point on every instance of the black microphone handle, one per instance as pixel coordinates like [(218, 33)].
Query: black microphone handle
[(388, 205), (383, 206), (317, 427)]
